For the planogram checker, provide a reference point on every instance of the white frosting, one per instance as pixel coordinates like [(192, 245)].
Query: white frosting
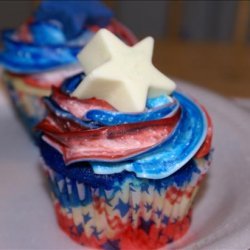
[(121, 75)]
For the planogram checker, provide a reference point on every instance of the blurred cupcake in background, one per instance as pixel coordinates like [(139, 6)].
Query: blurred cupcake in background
[(42, 52)]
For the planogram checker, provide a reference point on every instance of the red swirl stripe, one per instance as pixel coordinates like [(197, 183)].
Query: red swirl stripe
[(206, 146), (111, 143)]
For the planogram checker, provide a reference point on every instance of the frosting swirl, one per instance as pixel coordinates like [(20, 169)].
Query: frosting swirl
[(43, 43), (153, 144)]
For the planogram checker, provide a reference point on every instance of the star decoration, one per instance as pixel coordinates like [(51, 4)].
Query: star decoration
[(87, 218), (103, 194), (108, 201), (111, 244), (122, 207), (158, 213), (146, 225), (158, 188), (136, 208), (117, 189), (165, 220), (148, 206), (121, 75), (145, 187), (95, 232), (80, 229)]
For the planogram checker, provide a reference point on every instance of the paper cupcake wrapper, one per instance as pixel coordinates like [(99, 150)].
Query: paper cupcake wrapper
[(135, 215), (28, 107)]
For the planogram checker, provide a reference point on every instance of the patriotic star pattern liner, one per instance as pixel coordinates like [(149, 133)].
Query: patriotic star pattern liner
[(28, 107), (132, 213), (26, 91)]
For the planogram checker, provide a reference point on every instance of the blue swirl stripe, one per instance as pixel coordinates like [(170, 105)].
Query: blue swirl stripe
[(112, 118), (173, 153), (83, 172)]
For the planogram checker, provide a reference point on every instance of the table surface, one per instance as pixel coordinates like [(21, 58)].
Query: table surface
[(221, 67)]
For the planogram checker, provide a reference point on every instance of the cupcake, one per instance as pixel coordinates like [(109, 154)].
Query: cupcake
[(42, 52), (124, 153)]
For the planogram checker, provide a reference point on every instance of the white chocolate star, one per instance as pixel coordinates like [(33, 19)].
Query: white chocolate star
[(121, 75)]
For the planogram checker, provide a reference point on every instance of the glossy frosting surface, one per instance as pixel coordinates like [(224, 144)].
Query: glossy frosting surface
[(153, 144)]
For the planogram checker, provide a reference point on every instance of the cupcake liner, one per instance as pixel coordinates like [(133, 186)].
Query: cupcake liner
[(27, 105), (133, 213)]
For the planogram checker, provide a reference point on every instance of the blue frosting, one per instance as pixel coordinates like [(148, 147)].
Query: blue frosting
[(173, 153), (47, 34), (70, 84), (164, 159), (158, 101), (58, 34), (97, 118), (83, 172), (160, 161), (111, 118), (73, 15), (23, 57)]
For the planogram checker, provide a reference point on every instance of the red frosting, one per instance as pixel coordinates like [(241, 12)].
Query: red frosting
[(206, 146), (108, 143)]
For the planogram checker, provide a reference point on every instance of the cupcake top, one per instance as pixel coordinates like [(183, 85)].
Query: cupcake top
[(55, 34), (147, 129)]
